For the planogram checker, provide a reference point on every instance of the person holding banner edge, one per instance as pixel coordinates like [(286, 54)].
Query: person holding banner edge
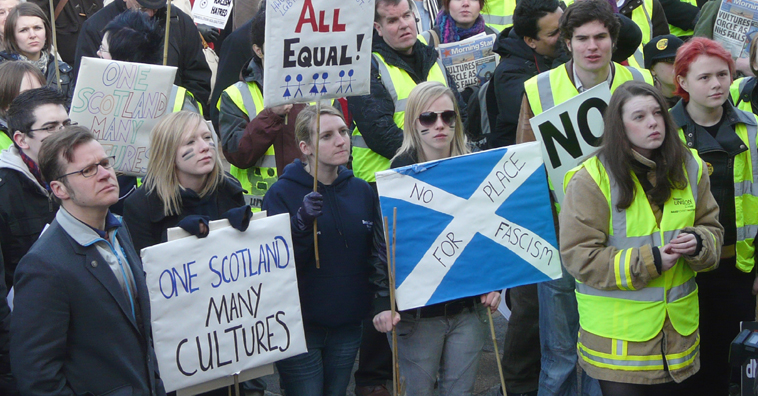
[(637, 222), (336, 297), (724, 136), (589, 29), (446, 337)]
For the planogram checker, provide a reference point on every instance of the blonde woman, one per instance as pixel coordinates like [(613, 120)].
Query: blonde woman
[(336, 297), (184, 178), (446, 337)]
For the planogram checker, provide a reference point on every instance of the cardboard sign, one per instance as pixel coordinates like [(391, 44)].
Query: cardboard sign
[(488, 229), (570, 133), (213, 13), (317, 49), (225, 303), (120, 102)]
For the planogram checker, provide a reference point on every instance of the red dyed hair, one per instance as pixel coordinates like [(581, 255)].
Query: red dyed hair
[(690, 51)]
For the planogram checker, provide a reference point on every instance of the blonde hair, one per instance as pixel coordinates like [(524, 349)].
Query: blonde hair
[(162, 177), (305, 124), (419, 101)]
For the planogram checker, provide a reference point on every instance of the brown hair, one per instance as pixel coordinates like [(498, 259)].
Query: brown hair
[(305, 125), (61, 145), (617, 149), (586, 11), (11, 76), (25, 9)]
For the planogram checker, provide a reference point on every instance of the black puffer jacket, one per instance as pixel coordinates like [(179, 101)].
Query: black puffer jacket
[(518, 63), (185, 48), (373, 114)]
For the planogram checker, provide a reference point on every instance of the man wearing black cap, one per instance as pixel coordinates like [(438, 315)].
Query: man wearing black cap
[(660, 53), (185, 47)]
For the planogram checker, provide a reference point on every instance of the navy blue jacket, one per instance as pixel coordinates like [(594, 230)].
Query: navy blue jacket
[(72, 331), (350, 246)]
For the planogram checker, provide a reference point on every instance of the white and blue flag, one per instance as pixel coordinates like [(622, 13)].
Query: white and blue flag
[(470, 225)]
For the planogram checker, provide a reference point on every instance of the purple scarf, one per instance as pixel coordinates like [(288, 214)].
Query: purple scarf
[(451, 33)]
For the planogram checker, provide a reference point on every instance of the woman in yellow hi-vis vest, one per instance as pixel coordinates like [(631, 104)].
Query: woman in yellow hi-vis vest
[(724, 137), (638, 220)]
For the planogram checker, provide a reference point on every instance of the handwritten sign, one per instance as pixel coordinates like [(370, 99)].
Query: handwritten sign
[(450, 229), (570, 132), (120, 102), (317, 49), (213, 13), (224, 304)]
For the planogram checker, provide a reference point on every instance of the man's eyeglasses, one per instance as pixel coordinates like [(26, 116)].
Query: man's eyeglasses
[(428, 118), (91, 170), (103, 50), (55, 127)]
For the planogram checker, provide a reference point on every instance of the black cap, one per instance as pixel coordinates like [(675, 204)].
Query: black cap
[(152, 4), (661, 47)]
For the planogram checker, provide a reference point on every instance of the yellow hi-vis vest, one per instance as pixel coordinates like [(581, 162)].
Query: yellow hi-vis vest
[(498, 14), (177, 99), (554, 87), (5, 141), (634, 315), (256, 180), (745, 194), (740, 94), (679, 32), (399, 85)]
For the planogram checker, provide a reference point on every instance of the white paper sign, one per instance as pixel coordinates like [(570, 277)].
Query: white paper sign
[(570, 132), (225, 303), (317, 49), (213, 13), (120, 102)]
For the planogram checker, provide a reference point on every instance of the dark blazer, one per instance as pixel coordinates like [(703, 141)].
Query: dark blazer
[(72, 331)]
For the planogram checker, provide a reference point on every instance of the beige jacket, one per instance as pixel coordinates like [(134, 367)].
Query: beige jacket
[(584, 228)]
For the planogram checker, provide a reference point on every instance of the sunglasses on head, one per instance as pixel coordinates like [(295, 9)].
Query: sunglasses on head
[(429, 118)]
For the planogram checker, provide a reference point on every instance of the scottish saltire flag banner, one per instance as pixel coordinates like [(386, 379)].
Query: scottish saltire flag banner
[(470, 225)]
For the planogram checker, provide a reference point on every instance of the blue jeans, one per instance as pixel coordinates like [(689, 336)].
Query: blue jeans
[(455, 341), (559, 327), (325, 369)]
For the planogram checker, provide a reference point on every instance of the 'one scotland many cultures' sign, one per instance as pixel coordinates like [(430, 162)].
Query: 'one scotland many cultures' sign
[(317, 49), (224, 304), (488, 228), (120, 102)]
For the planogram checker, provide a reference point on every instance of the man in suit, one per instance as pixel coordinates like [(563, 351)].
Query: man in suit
[(81, 320)]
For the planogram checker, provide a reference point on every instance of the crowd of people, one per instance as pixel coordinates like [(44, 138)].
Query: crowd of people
[(656, 231)]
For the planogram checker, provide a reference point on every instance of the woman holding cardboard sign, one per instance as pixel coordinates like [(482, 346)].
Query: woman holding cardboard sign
[(451, 333), (638, 220), (336, 297), (29, 38), (185, 184)]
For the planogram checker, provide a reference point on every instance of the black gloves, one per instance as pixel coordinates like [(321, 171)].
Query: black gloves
[(239, 217), (210, 34), (196, 225), (312, 204)]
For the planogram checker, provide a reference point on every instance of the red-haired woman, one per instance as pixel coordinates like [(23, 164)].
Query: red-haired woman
[(724, 136)]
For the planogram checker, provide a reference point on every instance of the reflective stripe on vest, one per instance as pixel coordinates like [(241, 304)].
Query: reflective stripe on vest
[(498, 14), (745, 195), (257, 179), (620, 360), (736, 91), (399, 85), (638, 315), (554, 87), (679, 32)]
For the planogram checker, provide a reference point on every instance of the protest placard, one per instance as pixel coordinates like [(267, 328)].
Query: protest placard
[(570, 132), (317, 49), (470, 62), (736, 24), (120, 102), (224, 304), (467, 236), (213, 13)]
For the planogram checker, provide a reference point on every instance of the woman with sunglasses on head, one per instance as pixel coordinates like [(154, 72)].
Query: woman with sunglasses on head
[(724, 136), (446, 337), (185, 185), (29, 38), (637, 221), (335, 292)]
